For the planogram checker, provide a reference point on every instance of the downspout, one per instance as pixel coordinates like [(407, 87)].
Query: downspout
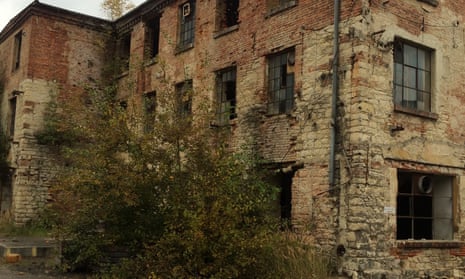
[(335, 87)]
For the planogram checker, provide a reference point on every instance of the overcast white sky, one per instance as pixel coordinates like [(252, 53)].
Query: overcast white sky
[(10, 8)]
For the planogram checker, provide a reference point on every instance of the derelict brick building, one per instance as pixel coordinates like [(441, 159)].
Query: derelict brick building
[(364, 129)]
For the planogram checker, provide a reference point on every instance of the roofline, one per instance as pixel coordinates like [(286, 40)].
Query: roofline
[(145, 10), (38, 8)]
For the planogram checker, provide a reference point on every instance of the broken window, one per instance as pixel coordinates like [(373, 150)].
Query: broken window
[(150, 105), (226, 95), (17, 50), (277, 5), (12, 105), (184, 98), (424, 206), (187, 25), (152, 38), (281, 82), (227, 13), (124, 51), (412, 76)]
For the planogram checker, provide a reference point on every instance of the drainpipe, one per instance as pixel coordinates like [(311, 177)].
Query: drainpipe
[(335, 85)]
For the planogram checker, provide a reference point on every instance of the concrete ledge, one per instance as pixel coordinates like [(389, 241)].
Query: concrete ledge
[(29, 247)]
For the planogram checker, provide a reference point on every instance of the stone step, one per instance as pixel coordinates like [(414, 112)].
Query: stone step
[(29, 247)]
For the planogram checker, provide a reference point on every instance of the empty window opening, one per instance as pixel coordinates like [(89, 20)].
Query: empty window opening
[(284, 202), (124, 51), (281, 82), (184, 98), (228, 13), (17, 50), (150, 105), (226, 95), (152, 40), (424, 206), (187, 24), (12, 121), (412, 76)]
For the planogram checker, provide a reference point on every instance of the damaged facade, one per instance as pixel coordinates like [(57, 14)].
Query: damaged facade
[(365, 137)]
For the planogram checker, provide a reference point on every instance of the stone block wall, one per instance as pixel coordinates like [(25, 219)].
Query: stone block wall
[(61, 52)]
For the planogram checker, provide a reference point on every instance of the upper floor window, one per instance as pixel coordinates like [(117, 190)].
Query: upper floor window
[(124, 51), (152, 38), (424, 206), (186, 25), (281, 82), (12, 115), (227, 13), (17, 50), (412, 76), (278, 5), (150, 105), (184, 98), (226, 95)]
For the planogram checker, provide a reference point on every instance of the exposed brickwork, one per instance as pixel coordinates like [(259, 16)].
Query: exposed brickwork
[(57, 56), (375, 139)]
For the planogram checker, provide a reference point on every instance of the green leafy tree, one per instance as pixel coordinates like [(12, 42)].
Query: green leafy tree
[(174, 200)]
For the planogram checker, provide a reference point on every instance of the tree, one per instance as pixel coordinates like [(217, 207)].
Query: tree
[(176, 196), (116, 8)]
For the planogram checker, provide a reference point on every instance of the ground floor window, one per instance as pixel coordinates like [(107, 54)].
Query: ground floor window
[(424, 206)]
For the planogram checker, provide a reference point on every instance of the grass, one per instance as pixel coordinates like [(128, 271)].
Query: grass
[(31, 229)]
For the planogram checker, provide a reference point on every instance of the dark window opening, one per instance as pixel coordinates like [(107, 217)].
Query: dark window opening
[(184, 98), (226, 95), (424, 206), (12, 116), (123, 105), (228, 13), (150, 105), (281, 82), (283, 180), (124, 51), (412, 76), (187, 24), (152, 40), (17, 50)]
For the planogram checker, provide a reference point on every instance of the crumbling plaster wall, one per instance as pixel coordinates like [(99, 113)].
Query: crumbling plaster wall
[(57, 58), (378, 140)]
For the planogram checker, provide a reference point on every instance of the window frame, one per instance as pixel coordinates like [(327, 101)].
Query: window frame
[(412, 204), (281, 82), (186, 26), (226, 106), (414, 98), (183, 93)]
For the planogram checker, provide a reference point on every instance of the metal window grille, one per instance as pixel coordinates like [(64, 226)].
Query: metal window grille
[(187, 24), (281, 83), (424, 206), (226, 95), (412, 76)]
